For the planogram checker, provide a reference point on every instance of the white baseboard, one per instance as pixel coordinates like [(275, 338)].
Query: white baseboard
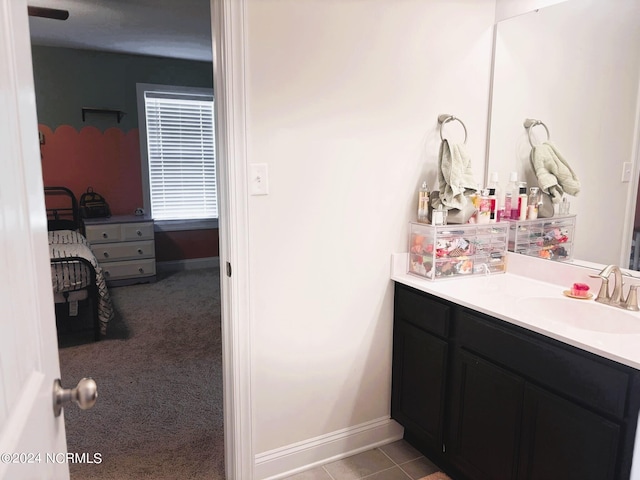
[(188, 264), (291, 459)]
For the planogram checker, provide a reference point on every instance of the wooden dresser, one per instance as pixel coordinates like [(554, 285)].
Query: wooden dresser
[(124, 246)]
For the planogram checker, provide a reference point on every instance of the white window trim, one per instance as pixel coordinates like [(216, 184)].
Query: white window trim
[(164, 225)]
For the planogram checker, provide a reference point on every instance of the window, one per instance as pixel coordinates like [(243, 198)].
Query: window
[(177, 142)]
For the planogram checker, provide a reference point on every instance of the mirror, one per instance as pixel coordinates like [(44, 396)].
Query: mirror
[(575, 66)]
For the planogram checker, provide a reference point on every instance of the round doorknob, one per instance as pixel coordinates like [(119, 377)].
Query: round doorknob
[(84, 395)]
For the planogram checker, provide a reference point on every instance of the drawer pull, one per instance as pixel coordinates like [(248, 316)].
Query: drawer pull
[(106, 254), (105, 235), (140, 251), (106, 273), (139, 233), (141, 270)]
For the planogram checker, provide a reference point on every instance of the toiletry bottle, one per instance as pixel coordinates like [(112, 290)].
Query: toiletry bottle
[(423, 203), (493, 206), (510, 197), (484, 213), (497, 202), (532, 203), (475, 200), (522, 201), (439, 216)]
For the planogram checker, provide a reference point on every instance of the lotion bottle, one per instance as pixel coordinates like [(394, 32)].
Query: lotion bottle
[(522, 201), (484, 214), (533, 202), (423, 203)]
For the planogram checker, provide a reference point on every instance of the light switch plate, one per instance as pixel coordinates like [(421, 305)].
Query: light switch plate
[(258, 179), (626, 172)]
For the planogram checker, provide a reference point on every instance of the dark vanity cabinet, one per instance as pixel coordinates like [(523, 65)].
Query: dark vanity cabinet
[(489, 400), (420, 356)]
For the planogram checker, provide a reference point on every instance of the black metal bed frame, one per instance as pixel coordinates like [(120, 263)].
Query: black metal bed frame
[(67, 218)]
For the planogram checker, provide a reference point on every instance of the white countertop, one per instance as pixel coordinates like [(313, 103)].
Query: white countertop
[(505, 295)]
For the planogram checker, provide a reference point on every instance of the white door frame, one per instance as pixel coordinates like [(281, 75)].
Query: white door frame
[(228, 36)]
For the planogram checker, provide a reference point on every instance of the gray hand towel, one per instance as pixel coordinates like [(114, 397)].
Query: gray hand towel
[(455, 176), (555, 176)]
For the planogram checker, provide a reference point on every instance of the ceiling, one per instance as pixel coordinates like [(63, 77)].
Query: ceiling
[(164, 28)]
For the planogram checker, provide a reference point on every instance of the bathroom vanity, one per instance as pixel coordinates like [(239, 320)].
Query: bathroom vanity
[(489, 388)]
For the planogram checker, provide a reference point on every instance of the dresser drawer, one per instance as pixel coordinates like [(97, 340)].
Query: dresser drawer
[(103, 233), (137, 231), (129, 269), (112, 252)]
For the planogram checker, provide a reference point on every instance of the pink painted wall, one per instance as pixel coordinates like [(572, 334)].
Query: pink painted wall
[(110, 163)]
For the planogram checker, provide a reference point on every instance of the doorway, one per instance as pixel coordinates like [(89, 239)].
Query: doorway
[(115, 388)]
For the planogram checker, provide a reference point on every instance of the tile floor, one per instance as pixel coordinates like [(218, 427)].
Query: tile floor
[(395, 461)]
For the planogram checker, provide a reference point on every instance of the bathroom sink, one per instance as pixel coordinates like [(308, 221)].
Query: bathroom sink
[(582, 314)]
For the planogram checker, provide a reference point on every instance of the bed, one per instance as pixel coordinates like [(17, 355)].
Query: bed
[(76, 275)]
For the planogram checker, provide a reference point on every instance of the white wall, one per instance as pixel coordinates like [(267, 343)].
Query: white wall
[(576, 67), (342, 105), (510, 8)]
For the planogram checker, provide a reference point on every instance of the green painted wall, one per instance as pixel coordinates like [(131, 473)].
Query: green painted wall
[(68, 79)]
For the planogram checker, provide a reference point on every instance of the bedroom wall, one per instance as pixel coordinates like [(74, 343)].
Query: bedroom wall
[(99, 151), (342, 105)]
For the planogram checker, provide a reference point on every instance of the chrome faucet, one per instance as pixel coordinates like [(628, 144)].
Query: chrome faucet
[(615, 299)]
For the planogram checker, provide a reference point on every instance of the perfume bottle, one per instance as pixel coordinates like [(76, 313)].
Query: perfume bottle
[(439, 216), (564, 206)]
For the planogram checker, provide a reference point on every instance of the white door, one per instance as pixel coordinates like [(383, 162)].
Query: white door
[(30, 434)]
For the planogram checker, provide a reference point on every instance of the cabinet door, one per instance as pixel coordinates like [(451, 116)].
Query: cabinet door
[(562, 440), (419, 366), (486, 417)]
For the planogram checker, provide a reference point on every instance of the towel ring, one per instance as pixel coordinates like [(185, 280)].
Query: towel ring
[(529, 123), (444, 118)]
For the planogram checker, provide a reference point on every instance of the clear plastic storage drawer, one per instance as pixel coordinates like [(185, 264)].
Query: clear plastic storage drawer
[(550, 238), (448, 250)]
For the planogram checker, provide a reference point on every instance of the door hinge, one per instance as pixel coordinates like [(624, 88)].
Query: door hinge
[(228, 269)]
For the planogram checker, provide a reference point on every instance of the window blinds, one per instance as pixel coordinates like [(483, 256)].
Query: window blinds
[(181, 152)]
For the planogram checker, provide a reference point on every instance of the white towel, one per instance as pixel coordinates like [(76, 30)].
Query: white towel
[(455, 175), (555, 176)]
